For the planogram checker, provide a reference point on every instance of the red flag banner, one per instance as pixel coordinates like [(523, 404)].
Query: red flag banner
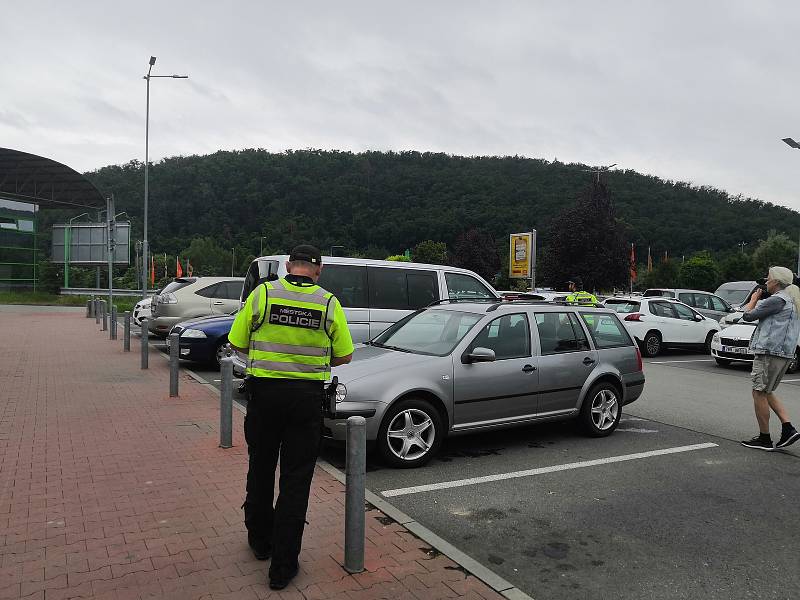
[(189, 268), (178, 268), (152, 270), (633, 263)]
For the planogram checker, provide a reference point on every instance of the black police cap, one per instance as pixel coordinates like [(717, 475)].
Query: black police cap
[(307, 253)]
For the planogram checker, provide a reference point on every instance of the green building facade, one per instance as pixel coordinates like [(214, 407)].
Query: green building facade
[(17, 245)]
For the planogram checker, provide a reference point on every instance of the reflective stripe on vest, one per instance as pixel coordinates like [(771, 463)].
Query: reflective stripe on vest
[(287, 367), (288, 349)]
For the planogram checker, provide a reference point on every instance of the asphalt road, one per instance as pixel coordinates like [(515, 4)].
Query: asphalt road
[(670, 506)]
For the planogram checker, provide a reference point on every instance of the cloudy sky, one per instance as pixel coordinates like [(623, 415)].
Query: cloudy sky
[(691, 90)]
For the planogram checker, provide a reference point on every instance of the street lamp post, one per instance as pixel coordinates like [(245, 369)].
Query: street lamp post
[(67, 249), (792, 144), (261, 247), (145, 248)]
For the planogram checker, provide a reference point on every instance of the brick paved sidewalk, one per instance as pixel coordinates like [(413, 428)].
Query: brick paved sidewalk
[(109, 489)]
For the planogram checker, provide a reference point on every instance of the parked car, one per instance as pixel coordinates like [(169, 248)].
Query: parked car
[(732, 345), (461, 367), (376, 293), (141, 310), (204, 340), (736, 293), (191, 297), (657, 322), (707, 304)]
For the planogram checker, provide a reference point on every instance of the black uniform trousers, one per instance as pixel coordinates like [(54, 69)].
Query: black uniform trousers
[(284, 416)]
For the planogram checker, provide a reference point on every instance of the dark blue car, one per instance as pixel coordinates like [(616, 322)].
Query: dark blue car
[(205, 339)]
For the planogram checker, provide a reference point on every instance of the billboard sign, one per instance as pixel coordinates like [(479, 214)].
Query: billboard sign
[(521, 255), (88, 243)]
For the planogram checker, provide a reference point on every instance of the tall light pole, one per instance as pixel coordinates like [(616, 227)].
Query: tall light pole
[(68, 249), (145, 248), (792, 144), (261, 251)]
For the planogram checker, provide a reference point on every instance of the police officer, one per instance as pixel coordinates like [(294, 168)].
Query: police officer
[(579, 296), (292, 331)]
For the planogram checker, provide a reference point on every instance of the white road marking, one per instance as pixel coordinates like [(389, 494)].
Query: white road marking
[(635, 430), (789, 380), (543, 470), (631, 419), (663, 362)]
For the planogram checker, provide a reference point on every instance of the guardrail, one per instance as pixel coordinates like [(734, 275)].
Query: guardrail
[(98, 292)]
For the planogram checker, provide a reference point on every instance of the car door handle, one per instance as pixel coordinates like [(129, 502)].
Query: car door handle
[(218, 303), (588, 361), (528, 369)]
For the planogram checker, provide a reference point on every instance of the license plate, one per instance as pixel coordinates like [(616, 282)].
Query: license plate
[(734, 349)]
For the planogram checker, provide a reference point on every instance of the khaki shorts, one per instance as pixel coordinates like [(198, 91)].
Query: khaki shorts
[(768, 371)]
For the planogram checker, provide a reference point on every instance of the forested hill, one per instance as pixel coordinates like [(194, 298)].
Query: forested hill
[(381, 203)]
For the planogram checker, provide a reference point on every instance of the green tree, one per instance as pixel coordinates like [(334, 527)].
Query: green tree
[(430, 252), (738, 267), (208, 257), (700, 272), (587, 241), (398, 258), (476, 250), (776, 250)]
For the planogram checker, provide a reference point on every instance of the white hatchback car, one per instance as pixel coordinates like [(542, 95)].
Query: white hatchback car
[(658, 322), (732, 344)]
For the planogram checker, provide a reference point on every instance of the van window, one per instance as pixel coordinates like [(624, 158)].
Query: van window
[(347, 283), (401, 289), (259, 271), (423, 288), (464, 286), (209, 291)]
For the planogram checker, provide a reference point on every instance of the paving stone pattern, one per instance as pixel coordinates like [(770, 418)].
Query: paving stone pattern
[(109, 489)]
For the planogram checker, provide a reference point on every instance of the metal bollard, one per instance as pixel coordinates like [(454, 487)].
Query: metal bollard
[(113, 328), (126, 334), (354, 494), (145, 342), (104, 314), (226, 404), (97, 311), (88, 308), (174, 356)]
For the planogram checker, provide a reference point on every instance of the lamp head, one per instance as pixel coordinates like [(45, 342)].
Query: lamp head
[(152, 60)]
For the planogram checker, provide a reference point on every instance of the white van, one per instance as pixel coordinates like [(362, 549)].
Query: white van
[(375, 293)]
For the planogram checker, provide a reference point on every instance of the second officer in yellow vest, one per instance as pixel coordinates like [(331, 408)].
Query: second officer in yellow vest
[(579, 296), (293, 331)]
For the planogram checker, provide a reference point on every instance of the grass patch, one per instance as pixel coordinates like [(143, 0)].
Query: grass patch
[(123, 303)]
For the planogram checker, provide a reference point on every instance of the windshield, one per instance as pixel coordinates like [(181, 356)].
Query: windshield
[(433, 332), (733, 296)]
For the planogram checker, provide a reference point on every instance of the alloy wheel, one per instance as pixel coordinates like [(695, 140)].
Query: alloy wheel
[(605, 409), (653, 345), (411, 434)]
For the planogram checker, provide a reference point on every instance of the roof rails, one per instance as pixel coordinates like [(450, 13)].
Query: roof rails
[(465, 299), (542, 302)]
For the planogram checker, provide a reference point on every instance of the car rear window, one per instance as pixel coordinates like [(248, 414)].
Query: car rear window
[(656, 293), (623, 306), (174, 286)]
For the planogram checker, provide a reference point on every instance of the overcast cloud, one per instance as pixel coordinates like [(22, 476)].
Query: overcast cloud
[(686, 90)]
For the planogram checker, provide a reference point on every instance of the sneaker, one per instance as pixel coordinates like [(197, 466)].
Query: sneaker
[(788, 438), (758, 443)]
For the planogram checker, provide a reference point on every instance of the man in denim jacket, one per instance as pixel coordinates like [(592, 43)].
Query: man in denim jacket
[(774, 344)]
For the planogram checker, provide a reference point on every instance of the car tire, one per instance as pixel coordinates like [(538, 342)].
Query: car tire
[(795, 362), (723, 362), (403, 419), (651, 345), (601, 410), (707, 345), (222, 350)]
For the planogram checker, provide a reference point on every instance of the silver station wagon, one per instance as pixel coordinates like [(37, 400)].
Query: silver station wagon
[(465, 366)]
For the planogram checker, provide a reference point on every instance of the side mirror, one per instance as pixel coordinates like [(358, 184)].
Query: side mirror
[(699, 318), (480, 355)]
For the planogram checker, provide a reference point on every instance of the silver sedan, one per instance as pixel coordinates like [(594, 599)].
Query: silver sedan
[(462, 367)]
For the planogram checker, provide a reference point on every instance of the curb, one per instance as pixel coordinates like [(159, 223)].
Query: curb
[(486, 575)]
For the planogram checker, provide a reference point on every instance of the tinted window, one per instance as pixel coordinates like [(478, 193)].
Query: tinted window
[(347, 283), (606, 330), (207, 292), (464, 286), (657, 293), (259, 271), (229, 290), (434, 332), (387, 288), (662, 309), (423, 288), (174, 286), (558, 333), (684, 312), (623, 306), (508, 336), (687, 298)]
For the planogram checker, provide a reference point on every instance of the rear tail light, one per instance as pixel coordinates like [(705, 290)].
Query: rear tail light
[(168, 298), (634, 317), (638, 359)]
